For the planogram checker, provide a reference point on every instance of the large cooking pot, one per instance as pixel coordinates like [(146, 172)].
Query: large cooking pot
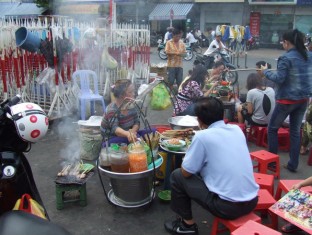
[(183, 122)]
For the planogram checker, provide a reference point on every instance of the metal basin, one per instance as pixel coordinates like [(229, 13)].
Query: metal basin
[(131, 189), (183, 122)]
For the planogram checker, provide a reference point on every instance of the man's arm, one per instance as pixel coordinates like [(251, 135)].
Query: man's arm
[(185, 173)]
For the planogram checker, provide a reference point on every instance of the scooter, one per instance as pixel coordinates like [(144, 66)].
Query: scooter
[(162, 53), (209, 61), (253, 43), (16, 176)]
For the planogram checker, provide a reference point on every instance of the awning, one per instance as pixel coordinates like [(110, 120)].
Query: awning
[(162, 11), (20, 10)]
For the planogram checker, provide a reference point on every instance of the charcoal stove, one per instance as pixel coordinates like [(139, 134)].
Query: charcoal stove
[(66, 186)]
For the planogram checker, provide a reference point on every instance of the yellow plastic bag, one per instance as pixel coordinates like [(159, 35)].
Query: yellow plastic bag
[(160, 98), (27, 204)]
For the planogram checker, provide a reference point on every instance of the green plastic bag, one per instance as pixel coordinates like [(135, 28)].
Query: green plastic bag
[(160, 98)]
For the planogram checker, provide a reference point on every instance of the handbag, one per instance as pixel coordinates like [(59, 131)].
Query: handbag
[(29, 205)]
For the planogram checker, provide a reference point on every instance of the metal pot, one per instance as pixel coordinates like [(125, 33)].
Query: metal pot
[(183, 122)]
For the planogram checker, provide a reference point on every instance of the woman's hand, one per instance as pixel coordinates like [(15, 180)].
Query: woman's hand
[(132, 136), (263, 67), (297, 186)]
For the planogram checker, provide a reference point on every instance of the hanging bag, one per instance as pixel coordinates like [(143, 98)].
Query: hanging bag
[(160, 98), (27, 204)]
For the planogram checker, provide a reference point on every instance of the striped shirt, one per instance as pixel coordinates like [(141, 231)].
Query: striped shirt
[(113, 119)]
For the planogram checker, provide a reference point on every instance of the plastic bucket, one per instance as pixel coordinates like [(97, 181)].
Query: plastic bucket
[(27, 40)]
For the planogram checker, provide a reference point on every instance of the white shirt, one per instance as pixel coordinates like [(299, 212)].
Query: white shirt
[(166, 36), (190, 37), (212, 47)]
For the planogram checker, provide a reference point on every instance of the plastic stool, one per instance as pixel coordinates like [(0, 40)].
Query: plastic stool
[(62, 188), (283, 139), (233, 224), (87, 82), (265, 201), (265, 181), (256, 134), (254, 228), (263, 158), (242, 126), (286, 185)]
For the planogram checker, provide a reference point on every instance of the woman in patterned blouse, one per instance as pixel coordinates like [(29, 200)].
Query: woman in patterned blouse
[(191, 89)]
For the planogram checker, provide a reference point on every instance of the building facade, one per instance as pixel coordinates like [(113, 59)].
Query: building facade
[(267, 19)]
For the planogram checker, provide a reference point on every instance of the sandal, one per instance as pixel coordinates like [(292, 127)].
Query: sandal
[(290, 228), (303, 150)]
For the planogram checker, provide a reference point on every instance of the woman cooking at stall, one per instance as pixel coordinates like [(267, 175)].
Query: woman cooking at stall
[(193, 86), (121, 121)]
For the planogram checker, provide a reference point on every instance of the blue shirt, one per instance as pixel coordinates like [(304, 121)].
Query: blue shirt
[(293, 78), (221, 156)]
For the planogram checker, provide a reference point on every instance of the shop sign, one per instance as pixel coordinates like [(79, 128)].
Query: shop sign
[(304, 2), (255, 23), (274, 2)]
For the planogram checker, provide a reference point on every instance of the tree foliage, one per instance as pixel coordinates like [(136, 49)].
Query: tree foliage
[(42, 3)]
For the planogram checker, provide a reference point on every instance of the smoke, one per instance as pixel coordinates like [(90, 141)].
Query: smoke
[(68, 131)]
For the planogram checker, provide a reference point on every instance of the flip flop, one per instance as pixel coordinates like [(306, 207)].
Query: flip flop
[(304, 152), (290, 228)]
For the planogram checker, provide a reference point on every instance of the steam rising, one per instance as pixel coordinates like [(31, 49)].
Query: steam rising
[(67, 131)]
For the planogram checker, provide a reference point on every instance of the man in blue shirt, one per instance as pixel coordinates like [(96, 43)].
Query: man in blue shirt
[(218, 178)]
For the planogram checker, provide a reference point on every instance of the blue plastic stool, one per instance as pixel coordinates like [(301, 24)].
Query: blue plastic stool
[(85, 79)]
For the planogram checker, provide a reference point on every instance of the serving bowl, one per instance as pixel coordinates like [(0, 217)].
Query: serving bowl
[(173, 147)]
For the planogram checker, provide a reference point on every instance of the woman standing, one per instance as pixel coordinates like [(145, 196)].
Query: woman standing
[(293, 88)]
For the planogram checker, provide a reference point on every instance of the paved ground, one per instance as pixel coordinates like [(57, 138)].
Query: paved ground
[(99, 216)]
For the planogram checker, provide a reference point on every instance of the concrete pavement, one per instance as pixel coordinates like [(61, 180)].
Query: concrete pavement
[(99, 216)]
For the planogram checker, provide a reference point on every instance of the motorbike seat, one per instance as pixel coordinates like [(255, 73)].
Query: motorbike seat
[(20, 223)]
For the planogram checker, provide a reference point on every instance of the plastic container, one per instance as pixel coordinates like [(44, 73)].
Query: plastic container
[(90, 144), (137, 158), (90, 138), (105, 157), (27, 40), (119, 161)]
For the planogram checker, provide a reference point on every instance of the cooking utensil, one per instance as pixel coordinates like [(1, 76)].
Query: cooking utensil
[(183, 122)]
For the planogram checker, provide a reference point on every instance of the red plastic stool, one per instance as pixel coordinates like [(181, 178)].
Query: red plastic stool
[(265, 181), (242, 126), (263, 158), (286, 185), (161, 128), (233, 224), (283, 139), (254, 228), (256, 134), (265, 201)]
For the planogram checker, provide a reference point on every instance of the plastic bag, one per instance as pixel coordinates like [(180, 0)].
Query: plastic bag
[(160, 98), (27, 204)]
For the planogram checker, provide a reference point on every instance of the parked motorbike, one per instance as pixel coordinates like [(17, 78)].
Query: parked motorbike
[(253, 43), (162, 54), (209, 61), (20, 125)]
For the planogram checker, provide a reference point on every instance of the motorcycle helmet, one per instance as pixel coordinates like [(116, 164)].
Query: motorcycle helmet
[(30, 121)]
